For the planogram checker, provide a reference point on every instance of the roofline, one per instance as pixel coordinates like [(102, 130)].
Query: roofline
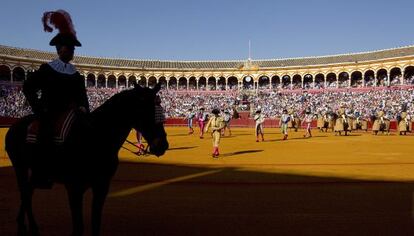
[(337, 55), (255, 60)]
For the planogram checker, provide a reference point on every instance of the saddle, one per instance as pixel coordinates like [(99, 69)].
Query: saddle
[(45, 168), (60, 128)]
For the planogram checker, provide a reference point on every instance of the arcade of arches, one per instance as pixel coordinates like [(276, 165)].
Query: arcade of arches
[(369, 78)]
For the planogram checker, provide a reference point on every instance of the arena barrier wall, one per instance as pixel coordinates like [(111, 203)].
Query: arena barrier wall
[(243, 123), (7, 121)]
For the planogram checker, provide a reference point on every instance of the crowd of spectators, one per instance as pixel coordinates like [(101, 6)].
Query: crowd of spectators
[(13, 102), (365, 102), (409, 80), (308, 83), (368, 81), (272, 103)]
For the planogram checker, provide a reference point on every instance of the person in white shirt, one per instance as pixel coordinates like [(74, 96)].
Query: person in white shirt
[(227, 119), (190, 116), (308, 122), (283, 123), (259, 119)]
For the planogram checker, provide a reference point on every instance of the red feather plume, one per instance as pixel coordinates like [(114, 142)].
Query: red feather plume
[(60, 19)]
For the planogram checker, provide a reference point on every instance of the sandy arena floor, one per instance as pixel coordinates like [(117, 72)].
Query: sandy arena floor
[(325, 185)]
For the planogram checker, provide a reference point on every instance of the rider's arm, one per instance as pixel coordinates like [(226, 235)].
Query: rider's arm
[(82, 97), (32, 89)]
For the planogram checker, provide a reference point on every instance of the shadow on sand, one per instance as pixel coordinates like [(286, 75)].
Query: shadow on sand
[(239, 153), (135, 152), (169, 199), (181, 148), (296, 138), (176, 135)]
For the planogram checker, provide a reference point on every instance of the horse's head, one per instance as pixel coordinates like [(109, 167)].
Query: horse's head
[(144, 119)]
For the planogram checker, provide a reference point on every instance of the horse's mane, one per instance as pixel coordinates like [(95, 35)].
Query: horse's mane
[(116, 100)]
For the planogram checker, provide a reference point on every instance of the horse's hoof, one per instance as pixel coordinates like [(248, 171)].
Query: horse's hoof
[(22, 231), (33, 229)]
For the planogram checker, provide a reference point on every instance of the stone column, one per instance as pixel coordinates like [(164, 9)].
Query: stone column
[(363, 80), (388, 78)]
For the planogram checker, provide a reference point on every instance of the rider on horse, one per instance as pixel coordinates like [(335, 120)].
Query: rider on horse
[(56, 93)]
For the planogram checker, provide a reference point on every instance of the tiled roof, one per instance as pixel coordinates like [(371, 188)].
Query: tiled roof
[(186, 65)]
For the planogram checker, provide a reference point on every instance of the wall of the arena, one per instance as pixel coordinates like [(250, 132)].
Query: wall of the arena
[(6, 121), (242, 123), (250, 123)]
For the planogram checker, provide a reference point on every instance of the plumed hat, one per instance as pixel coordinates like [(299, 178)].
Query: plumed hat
[(62, 21)]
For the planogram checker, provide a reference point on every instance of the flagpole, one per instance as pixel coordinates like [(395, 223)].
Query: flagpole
[(249, 51)]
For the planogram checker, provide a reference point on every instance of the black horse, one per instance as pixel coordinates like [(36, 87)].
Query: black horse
[(89, 156)]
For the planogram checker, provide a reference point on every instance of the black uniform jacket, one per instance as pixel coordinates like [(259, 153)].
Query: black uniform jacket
[(53, 92)]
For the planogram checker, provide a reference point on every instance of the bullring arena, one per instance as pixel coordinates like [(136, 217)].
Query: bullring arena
[(359, 184)]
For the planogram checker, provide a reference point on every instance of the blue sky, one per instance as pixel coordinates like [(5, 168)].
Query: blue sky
[(215, 29)]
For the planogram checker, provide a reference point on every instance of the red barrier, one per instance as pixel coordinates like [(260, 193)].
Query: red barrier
[(176, 122), (247, 122), (244, 123), (7, 121)]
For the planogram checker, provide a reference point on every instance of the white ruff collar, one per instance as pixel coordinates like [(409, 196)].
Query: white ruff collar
[(61, 67)]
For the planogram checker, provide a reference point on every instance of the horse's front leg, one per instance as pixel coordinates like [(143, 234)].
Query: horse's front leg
[(100, 191), (26, 193), (75, 195), (22, 181), (34, 229)]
